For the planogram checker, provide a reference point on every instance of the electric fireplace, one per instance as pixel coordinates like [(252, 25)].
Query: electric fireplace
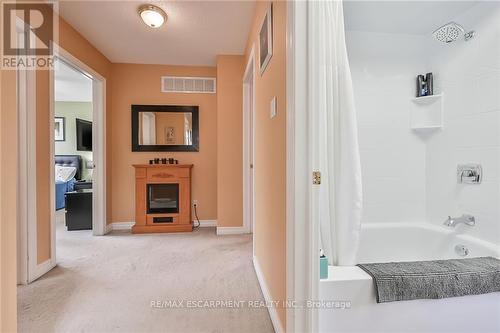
[(163, 198)]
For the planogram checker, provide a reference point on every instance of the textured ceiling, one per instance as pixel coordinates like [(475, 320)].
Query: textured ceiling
[(194, 34)]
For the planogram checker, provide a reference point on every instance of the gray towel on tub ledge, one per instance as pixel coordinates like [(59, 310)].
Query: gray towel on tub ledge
[(402, 281)]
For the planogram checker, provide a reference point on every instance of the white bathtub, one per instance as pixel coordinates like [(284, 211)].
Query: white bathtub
[(385, 242)]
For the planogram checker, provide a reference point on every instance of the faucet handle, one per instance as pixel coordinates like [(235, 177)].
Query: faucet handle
[(465, 218), (447, 222), (469, 219), (469, 173)]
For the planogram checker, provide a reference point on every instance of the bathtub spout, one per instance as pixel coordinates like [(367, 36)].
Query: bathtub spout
[(465, 219)]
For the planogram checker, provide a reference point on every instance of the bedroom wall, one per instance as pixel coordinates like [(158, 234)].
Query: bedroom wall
[(270, 155), (70, 111), (141, 84)]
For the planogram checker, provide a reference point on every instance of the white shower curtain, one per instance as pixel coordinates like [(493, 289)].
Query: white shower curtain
[(332, 97)]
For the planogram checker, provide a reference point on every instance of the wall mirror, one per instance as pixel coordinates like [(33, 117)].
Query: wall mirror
[(165, 128)]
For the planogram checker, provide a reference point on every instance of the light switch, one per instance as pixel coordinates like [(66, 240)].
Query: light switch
[(273, 110)]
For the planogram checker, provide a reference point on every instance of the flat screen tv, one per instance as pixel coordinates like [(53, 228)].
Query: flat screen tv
[(83, 135)]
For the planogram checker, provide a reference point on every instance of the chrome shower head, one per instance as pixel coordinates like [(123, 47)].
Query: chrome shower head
[(450, 32)]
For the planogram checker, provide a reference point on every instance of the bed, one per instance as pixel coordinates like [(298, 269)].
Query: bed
[(66, 163)]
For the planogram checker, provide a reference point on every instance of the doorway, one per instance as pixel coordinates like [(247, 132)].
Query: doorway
[(72, 151), (30, 270)]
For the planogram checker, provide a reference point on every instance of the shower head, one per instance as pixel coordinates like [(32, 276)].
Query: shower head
[(450, 32)]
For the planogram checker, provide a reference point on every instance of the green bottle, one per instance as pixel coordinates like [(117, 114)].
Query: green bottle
[(323, 265)]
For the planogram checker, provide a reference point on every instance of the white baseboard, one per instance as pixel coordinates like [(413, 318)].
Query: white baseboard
[(129, 225), (273, 313), (122, 225), (231, 230), (43, 268), (207, 223), (119, 226)]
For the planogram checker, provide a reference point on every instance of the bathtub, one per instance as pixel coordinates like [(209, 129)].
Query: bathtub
[(357, 310)]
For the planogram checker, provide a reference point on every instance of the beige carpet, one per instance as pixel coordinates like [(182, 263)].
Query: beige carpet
[(106, 284)]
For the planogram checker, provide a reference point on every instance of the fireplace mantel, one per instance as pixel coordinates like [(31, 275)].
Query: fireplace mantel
[(162, 198)]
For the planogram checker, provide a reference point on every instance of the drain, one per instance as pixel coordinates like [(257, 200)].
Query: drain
[(461, 250)]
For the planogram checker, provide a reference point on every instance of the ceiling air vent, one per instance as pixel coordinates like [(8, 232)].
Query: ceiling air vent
[(177, 84)]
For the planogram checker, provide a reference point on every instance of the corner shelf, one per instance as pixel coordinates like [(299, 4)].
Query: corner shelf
[(426, 112), (427, 99)]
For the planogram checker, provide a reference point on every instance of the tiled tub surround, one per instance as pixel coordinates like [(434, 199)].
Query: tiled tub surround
[(409, 176), (469, 75)]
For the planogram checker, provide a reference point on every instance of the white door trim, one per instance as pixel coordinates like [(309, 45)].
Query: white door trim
[(98, 138), (27, 170), (22, 228), (28, 266), (27, 141), (302, 232), (249, 147), (28, 255), (23, 95)]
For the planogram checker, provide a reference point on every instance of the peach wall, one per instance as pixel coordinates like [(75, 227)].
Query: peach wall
[(270, 155), (230, 140), (8, 201), (43, 209), (141, 84)]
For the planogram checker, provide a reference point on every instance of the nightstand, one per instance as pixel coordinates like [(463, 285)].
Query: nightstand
[(79, 210), (82, 184)]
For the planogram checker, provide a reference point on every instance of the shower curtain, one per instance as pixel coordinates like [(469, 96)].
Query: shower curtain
[(331, 96)]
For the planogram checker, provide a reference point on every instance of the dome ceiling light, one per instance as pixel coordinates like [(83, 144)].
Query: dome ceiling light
[(153, 16)]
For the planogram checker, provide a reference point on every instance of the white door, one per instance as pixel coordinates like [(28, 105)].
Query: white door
[(148, 128), (248, 145), (251, 151)]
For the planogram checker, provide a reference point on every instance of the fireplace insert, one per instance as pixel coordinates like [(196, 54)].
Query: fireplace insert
[(163, 198)]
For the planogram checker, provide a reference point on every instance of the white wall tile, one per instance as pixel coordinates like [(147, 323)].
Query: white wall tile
[(384, 67), (409, 177), (489, 91), (471, 133)]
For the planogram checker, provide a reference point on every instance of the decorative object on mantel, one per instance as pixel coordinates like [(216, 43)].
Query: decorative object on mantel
[(164, 160), (162, 198)]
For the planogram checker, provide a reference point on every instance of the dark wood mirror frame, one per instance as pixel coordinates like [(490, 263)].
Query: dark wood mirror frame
[(164, 108)]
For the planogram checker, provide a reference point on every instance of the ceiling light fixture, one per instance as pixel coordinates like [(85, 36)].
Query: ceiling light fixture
[(153, 16)]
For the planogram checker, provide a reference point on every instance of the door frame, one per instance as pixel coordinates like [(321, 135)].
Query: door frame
[(249, 145), (29, 268), (26, 93), (99, 225), (302, 224)]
